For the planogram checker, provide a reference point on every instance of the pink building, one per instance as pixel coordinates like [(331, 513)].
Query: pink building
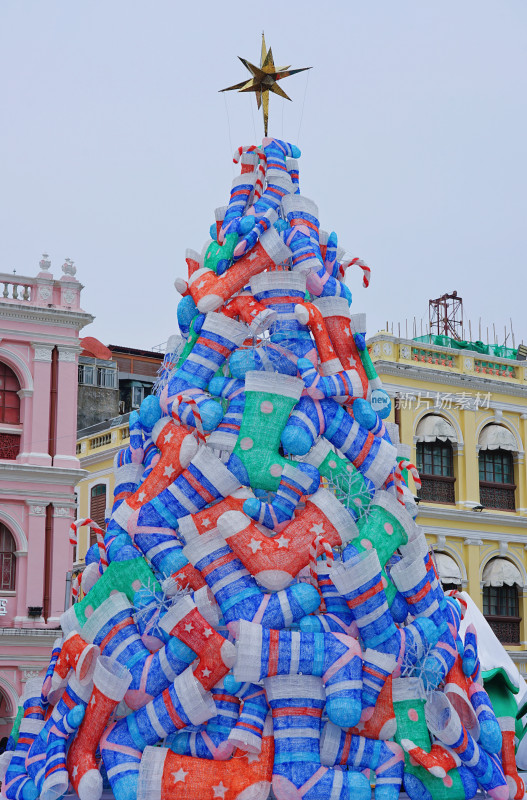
[(40, 319)]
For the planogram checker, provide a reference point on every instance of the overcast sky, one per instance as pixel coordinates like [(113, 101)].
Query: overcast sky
[(116, 145)]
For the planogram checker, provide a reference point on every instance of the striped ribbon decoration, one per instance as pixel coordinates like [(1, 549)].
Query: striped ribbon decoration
[(187, 398), (262, 166), (319, 544), (78, 523), (399, 480)]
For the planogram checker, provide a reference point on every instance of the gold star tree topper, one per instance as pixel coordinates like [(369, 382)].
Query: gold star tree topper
[(265, 79)]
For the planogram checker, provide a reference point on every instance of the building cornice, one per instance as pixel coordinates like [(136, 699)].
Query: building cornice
[(467, 517), (26, 637), (430, 375), (88, 461), (32, 473), (20, 312)]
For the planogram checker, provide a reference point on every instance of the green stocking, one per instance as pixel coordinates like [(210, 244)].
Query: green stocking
[(408, 705), (120, 576), (269, 399)]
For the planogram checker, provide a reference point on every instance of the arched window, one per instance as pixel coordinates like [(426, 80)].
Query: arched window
[(97, 508), (449, 572), (496, 468), (501, 605), (7, 560), (9, 412), (435, 459)]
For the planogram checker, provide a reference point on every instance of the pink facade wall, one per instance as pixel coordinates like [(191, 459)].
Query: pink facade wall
[(40, 319)]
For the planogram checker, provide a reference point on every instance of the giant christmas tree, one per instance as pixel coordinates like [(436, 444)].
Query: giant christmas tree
[(263, 608)]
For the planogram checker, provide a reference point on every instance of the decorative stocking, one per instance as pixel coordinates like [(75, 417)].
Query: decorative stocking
[(446, 782), (56, 780), (359, 582), (184, 703), (75, 654), (205, 480), (46, 686), (337, 318), (329, 363), (386, 759), (278, 185), (269, 399), (218, 337), (178, 447), (210, 291), (210, 740), (508, 760), (236, 591), (337, 617), (444, 723), (169, 776), (249, 728), (342, 385), (193, 526), (17, 784), (112, 627), (372, 456), (75, 694), (32, 699), (256, 315), (296, 703), (489, 727), (289, 338), (334, 657), (225, 436), (110, 682), (297, 481), (121, 576), (274, 562), (216, 654)]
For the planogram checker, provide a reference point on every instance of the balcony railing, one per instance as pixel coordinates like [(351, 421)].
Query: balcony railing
[(9, 445), (388, 348), (16, 291), (507, 629), (437, 489), (497, 495)]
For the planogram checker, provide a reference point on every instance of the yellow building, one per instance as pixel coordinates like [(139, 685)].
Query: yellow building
[(96, 450), (464, 414)]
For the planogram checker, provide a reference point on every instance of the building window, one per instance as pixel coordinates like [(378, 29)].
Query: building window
[(496, 479), (501, 608), (90, 375), (97, 508), (87, 374), (107, 378), (138, 394), (448, 571), (435, 463), (7, 560), (9, 399)]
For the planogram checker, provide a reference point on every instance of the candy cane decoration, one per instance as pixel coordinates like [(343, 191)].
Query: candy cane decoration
[(366, 271), (319, 543), (261, 170), (187, 398), (75, 586), (399, 480), (99, 533)]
